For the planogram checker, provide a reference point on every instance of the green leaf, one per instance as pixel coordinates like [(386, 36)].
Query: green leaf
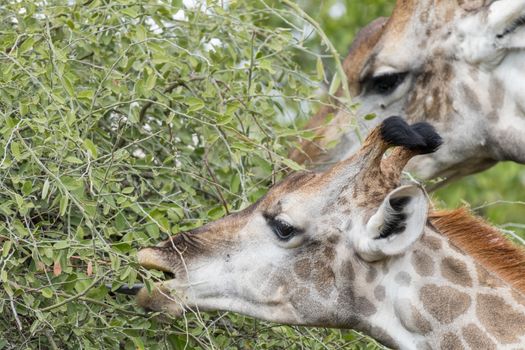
[(61, 245), (6, 248), (194, 104), (47, 292), (320, 69), (292, 165), (26, 45), (334, 86), (128, 190), (91, 148), (132, 11), (27, 188), (3, 276), (73, 160), (15, 150), (64, 201), (86, 94), (150, 82), (45, 189)]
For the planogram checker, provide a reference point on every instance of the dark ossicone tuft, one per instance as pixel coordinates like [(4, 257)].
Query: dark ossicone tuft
[(420, 137), (429, 134)]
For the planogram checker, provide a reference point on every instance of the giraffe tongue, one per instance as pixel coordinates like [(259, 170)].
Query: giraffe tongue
[(126, 290)]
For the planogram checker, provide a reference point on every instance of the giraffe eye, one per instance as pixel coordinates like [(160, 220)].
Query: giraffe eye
[(385, 84), (283, 230)]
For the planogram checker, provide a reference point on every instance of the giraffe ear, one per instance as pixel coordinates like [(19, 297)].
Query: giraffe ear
[(396, 225), (507, 19)]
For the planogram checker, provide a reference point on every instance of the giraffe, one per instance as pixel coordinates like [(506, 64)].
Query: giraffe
[(354, 247), (459, 65)]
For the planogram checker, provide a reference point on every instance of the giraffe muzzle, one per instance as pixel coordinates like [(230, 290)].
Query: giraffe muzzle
[(155, 258)]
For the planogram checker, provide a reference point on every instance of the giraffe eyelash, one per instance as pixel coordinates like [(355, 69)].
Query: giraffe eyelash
[(515, 25), (283, 230)]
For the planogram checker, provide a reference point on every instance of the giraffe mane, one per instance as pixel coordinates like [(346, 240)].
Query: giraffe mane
[(484, 243)]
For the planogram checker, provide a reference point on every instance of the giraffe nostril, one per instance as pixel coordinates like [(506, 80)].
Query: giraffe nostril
[(169, 275)]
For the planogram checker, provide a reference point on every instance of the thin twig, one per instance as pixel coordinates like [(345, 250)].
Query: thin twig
[(327, 42), (169, 89), (74, 297), (15, 314), (51, 341), (215, 181)]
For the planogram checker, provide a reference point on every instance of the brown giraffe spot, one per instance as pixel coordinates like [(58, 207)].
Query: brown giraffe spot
[(451, 342), (384, 267), (303, 268), (433, 243), (445, 304), (329, 253), (518, 297), (500, 319), (333, 239), (471, 99), (456, 271), (476, 338), (392, 177), (433, 104), (371, 274), (421, 324), (377, 195), (342, 201), (324, 278), (496, 93), (471, 5), (348, 270), (493, 115), (422, 263), (486, 279), (380, 293), (403, 278), (423, 16), (364, 307)]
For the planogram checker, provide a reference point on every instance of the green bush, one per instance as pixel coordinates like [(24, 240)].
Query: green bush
[(123, 122)]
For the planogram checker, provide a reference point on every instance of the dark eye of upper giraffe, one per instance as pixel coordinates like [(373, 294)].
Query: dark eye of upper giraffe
[(384, 84), (283, 230)]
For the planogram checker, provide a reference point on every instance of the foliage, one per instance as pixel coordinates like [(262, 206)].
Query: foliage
[(123, 122)]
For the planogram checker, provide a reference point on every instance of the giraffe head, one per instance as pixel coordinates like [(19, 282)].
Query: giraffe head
[(293, 256), (459, 65)]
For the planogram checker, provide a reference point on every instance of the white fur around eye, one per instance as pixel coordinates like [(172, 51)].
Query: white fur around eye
[(384, 70)]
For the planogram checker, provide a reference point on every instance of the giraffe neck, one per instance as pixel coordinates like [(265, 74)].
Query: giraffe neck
[(439, 297), (508, 98)]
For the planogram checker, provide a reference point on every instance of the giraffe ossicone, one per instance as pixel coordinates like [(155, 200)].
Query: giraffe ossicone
[(353, 247), (459, 65)]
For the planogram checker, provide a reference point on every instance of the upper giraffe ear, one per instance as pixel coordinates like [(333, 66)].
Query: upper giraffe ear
[(395, 226), (487, 36), (507, 19)]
